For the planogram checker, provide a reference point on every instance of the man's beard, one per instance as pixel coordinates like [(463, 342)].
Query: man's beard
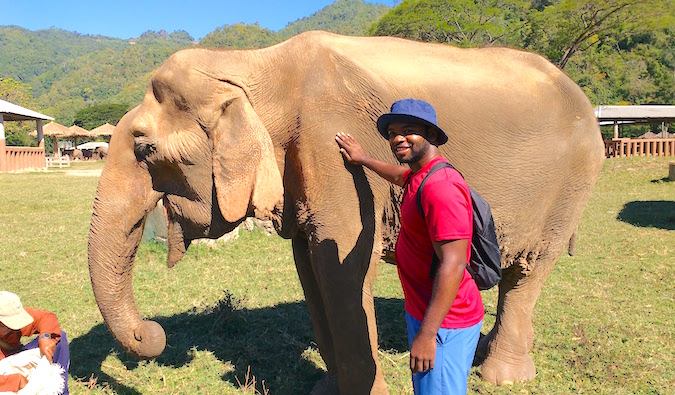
[(416, 156)]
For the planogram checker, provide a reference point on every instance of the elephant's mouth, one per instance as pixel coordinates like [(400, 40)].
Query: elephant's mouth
[(189, 220)]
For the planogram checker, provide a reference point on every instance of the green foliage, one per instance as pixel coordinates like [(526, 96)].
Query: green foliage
[(466, 23), (16, 92), (179, 36), (241, 36), (106, 76), (568, 26), (95, 116), (70, 71), (25, 55), (349, 17), (618, 51)]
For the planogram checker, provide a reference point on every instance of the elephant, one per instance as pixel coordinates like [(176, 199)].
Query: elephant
[(102, 152), (222, 135), (78, 154)]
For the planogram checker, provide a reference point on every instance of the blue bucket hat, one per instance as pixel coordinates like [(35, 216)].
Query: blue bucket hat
[(417, 111)]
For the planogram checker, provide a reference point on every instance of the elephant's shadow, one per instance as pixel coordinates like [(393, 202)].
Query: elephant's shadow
[(658, 214), (269, 340)]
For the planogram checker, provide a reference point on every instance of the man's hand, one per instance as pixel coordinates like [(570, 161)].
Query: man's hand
[(47, 346), (350, 148), (423, 352), (22, 381)]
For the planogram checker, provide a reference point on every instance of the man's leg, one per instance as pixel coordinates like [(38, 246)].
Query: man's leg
[(62, 357), (455, 349)]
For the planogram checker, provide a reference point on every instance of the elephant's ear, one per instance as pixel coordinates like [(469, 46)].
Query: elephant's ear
[(245, 172)]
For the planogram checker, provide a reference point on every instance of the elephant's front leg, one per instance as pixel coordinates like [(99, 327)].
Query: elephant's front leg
[(508, 344), (340, 301)]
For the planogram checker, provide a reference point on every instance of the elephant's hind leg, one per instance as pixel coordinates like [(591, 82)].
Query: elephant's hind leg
[(507, 347)]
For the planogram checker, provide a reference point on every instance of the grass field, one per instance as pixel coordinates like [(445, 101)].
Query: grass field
[(236, 322)]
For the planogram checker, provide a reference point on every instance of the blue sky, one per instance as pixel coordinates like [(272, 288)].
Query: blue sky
[(127, 18)]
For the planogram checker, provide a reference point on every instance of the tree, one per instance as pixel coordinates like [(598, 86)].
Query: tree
[(348, 17), (95, 116), (467, 23), (241, 36), (568, 26), (15, 92)]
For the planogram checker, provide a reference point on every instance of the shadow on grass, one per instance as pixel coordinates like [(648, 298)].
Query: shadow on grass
[(649, 214), (269, 340)]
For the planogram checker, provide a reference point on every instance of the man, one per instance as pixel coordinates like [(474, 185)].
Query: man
[(17, 321), (443, 307)]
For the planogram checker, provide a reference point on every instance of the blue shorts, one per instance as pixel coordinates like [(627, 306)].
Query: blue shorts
[(455, 349)]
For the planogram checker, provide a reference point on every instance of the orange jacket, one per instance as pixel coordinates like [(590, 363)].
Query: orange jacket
[(43, 322)]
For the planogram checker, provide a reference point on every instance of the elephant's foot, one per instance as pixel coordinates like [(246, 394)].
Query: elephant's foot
[(500, 372), (327, 385)]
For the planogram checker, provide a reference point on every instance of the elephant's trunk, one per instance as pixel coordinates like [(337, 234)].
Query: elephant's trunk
[(123, 199)]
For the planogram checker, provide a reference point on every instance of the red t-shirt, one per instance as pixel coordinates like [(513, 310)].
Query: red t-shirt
[(448, 215)]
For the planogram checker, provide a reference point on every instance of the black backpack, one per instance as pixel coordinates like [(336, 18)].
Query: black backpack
[(485, 265)]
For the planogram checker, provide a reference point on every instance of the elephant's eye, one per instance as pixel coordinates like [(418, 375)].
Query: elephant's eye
[(142, 148)]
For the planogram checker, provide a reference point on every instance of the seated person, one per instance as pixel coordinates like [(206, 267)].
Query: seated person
[(16, 322)]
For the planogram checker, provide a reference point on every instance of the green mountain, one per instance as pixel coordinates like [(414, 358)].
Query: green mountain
[(349, 17), (69, 71)]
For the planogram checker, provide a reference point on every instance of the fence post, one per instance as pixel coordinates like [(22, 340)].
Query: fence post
[(3, 154)]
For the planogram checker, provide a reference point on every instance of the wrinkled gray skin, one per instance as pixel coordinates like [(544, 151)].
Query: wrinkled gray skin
[(222, 135)]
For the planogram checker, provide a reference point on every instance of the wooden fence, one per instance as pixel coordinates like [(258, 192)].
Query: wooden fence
[(19, 158), (639, 147)]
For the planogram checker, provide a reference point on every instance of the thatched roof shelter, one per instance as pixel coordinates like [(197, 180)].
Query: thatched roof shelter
[(103, 130), (52, 129), (77, 131), (55, 130)]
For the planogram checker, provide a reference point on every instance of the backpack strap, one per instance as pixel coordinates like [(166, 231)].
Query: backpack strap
[(435, 168)]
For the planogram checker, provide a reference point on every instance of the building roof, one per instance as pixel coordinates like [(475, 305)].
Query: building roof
[(12, 112), (608, 115)]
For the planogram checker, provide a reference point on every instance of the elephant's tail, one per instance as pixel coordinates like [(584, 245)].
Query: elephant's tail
[(573, 243)]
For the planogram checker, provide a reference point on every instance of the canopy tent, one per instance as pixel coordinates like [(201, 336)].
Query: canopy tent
[(92, 145), (30, 157)]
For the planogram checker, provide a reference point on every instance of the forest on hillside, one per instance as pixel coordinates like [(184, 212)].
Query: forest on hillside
[(618, 51)]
